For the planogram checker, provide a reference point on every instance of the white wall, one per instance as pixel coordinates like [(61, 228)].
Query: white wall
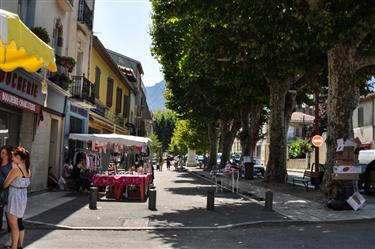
[(9, 5)]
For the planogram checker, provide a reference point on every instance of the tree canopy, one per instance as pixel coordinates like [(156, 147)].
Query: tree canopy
[(164, 122)]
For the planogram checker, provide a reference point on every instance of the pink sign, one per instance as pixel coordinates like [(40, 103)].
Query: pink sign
[(18, 102)]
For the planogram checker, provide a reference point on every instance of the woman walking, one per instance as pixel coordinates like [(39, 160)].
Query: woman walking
[(18, 180)]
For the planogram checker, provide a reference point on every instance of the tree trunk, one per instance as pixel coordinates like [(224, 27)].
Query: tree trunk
[(343, 97), (245, 133), (229, 131), (279, 120), (212, 135), (255, 126), (251, 125)]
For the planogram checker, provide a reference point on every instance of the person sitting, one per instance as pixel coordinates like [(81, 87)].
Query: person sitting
[(52, 179)]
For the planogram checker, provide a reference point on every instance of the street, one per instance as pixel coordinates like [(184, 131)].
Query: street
[(346, 235), (181, 204)]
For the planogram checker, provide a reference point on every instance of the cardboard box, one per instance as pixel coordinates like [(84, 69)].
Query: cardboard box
[(346, 154), (348, 145), (339, 177), (347, 162), (347, 170), (356, 201)]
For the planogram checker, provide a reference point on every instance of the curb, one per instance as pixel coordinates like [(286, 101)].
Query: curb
[(44, 225)]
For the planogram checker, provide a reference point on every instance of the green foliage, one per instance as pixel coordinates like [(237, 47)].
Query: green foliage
[(189, 134), (156, 146), (41, 33), (165, 122), (61, 80), (299, 149)]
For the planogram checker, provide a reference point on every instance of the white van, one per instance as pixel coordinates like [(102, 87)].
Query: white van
[(365, 157)]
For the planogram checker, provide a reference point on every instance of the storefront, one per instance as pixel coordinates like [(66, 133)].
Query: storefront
[(76, 121), (31, 119), (21, 103), (101, 125)]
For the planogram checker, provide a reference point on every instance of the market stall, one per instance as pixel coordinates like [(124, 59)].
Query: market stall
[(120, 182)]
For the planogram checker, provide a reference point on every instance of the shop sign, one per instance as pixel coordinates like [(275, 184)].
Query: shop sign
[(23, 84), (10, 99)]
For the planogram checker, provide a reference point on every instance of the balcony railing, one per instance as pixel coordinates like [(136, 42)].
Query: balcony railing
[(85, 15), (83, 89), (103, 111)]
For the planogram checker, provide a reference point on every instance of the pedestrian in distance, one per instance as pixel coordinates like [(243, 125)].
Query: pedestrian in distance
[(17, 181), (168, 163)]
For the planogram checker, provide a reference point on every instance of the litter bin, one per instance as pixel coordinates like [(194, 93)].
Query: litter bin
[(249, 170)]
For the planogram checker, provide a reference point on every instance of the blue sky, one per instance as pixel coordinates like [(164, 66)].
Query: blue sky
[(123, 26)]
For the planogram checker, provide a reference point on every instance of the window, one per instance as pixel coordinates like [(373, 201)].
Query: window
[(97, 82), (118, 100), (109, 92), (126, 107), (360, 116)]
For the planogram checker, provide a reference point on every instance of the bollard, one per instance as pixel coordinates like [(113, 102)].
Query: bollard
[(268, 201), (152, 199), (210, 199), (93, 198)]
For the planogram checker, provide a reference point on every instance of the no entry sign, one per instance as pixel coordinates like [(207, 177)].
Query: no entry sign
[(317, 140)]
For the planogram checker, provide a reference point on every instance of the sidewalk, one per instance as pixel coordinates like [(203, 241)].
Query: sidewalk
[(298, 205), (181, 204)]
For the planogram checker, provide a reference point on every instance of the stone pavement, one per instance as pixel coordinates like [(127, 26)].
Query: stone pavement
[(181, 203), (297, 207)]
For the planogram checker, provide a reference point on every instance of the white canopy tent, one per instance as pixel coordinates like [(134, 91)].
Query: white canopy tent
[(112, 138)]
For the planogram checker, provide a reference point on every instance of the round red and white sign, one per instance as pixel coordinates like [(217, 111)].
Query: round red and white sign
[(317, 140)]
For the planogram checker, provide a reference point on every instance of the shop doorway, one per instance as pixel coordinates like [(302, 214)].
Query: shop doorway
[(9, 128), (53, 145)]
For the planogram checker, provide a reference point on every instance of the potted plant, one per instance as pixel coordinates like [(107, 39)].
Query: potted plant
[(41, 33), (61, 80), (70, 63)]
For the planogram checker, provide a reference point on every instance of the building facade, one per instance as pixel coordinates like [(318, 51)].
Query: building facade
[(364, 121), (140, 117), (112, 94), (42, 122)]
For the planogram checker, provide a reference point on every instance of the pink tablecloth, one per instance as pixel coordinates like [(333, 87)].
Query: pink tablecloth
[(121, 180)]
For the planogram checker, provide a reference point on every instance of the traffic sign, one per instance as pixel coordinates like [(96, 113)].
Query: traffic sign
[(317, 140)]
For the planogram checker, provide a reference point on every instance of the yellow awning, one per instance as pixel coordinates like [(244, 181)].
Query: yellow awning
[(20, 47)]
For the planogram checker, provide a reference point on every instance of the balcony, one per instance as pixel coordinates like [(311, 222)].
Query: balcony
[(85, 15), (83, 91), (65, 5), (103, 111)]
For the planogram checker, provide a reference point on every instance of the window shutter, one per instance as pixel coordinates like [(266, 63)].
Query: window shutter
[(97, 82), (126, 107), (109, 92), (118, 100)]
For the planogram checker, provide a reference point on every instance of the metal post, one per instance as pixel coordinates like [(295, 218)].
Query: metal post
[(268, 201), (210, 199), (93, 198), (316, 128), (152, 199)]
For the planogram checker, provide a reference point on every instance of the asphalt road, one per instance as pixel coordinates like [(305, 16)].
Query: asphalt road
[(339, 235)]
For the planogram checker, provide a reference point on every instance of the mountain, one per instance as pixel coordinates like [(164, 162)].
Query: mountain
[(155, 96)]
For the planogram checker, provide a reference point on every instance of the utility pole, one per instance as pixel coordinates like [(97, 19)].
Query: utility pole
[(317, 127)]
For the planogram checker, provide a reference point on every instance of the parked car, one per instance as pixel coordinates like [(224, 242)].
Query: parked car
[(258, 168), (219, 158), (236, 158)]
